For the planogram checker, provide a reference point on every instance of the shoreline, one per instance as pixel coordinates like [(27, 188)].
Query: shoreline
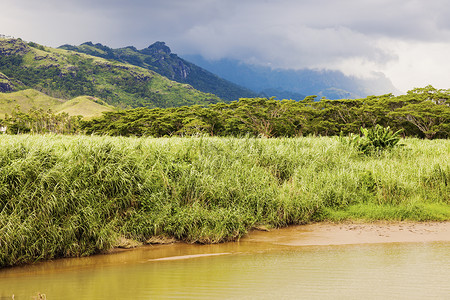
[(308, 235), (256, 241), (86, 195), (318, 234), (326, 233)]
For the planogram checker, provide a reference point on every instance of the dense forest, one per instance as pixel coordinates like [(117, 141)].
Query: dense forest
[(422, 112)]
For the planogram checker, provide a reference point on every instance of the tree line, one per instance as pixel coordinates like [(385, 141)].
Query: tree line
[(421, 112), (40, 121)]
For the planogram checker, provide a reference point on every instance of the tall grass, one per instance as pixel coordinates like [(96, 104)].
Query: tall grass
[(74, 196)]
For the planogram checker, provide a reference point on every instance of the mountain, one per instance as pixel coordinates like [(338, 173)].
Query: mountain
[(280, 82), (159, 58), (66, 74)]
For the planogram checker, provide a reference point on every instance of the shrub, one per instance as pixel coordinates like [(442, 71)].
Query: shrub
[(374, 140)]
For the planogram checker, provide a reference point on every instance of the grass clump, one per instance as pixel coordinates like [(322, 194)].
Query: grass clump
[(66, 196)]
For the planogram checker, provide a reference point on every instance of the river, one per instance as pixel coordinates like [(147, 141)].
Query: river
[(253, 268)]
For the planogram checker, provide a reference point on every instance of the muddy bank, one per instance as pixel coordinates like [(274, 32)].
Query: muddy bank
[(257, 241), (354, 233), (317, 234)]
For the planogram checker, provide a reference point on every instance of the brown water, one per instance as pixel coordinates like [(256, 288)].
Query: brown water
[(249, 269)]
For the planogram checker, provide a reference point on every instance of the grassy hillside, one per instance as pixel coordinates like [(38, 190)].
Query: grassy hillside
[(159, 58), (75, 195), (85, 106), (66, 74), (25, 100)]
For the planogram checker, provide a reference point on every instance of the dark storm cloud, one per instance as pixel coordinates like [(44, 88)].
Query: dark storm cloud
[(140, 21), (281, 33)]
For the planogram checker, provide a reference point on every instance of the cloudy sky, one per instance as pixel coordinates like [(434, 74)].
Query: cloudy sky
[(408, 40)]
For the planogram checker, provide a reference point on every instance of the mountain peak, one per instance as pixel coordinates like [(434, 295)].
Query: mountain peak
[(159, 58), (159, 47), (88, 44)]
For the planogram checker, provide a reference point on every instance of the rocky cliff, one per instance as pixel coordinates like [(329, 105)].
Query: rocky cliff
[(5, 84)]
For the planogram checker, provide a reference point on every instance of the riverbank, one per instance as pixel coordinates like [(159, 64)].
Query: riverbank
[(345, 233), (322, 234), (74, 196), (289, 238)]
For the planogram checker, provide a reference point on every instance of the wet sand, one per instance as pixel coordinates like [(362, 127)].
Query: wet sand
[(354, 233)]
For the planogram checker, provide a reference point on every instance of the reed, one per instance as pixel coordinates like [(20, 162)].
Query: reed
[(63, 196)]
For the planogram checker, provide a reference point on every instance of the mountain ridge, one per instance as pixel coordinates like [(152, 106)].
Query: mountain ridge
[(159, 58)]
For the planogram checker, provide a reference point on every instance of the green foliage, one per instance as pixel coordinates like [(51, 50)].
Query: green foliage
[(287, 118), (40, 121), (381, 138), (375, 139), (63, 196), (37, 46)]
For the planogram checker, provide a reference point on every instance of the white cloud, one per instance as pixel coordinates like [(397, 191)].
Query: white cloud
[(419, 64)]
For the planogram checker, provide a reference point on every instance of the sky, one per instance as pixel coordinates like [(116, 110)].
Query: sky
[(407, 40)]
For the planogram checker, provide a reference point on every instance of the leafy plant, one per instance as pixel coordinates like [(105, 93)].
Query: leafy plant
[(381, 137), (374, 140)]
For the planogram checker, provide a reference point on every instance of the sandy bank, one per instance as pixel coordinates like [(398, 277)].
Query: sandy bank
[(354, 233)]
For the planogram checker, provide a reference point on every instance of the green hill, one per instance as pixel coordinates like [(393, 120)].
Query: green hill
[(86, 106), (25, 100), (66, 74), (159, 58)]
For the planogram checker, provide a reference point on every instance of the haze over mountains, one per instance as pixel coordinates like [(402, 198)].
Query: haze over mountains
[(293, 84), (159, 58)]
